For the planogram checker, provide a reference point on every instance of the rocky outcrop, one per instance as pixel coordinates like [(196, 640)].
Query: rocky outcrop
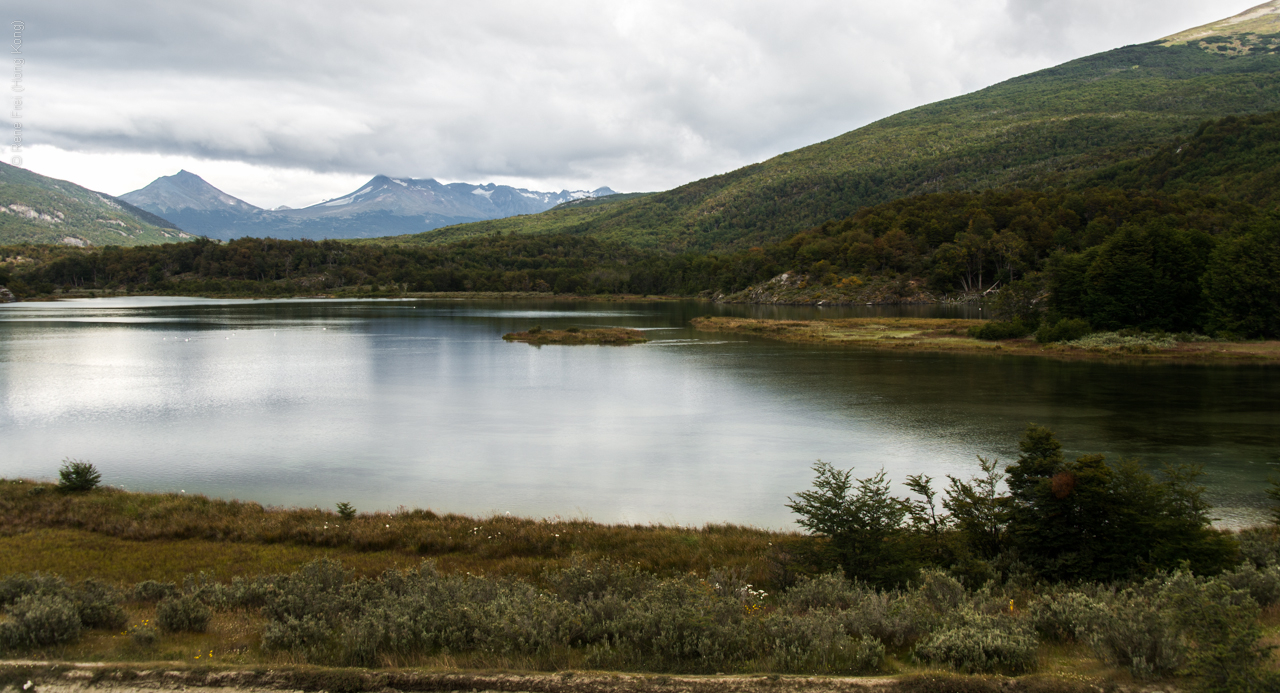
[(6, 296)]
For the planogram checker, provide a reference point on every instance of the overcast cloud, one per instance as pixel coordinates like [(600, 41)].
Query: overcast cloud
[(287, 103)]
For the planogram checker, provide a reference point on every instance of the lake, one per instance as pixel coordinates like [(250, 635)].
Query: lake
[(420, 403)]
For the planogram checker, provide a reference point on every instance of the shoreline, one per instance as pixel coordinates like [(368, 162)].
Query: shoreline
[(950, 335)]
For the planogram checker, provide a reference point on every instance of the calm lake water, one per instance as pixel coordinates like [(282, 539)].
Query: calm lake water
[(421, 404)]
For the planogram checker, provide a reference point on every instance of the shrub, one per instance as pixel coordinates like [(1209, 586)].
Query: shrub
[(346, 511), (584, 581), (18, 585), (98, 605), (1139, 633), (143, 635), (1263, 586), (152, 591), (1064, 330), (77, 476), (37, 620), (182, 614), (1260, 545), (817, 644), (830, 590), (993, 331), (1065, 616), (980, 643)]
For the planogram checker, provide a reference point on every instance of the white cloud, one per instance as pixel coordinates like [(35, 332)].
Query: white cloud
[(638, 96)]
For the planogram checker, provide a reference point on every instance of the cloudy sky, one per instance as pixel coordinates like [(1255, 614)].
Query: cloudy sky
[(290, 103)]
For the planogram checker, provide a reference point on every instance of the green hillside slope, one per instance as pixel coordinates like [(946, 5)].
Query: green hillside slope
[(39, 209), (1237, 158), (1049, 127)]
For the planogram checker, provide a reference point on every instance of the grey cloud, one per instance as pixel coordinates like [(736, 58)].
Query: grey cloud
[(635, 96)]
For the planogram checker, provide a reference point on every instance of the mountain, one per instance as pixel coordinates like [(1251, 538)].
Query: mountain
[(39, 209), (380, 207), (1040, 130)]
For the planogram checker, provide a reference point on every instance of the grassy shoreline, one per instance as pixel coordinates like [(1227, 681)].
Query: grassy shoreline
[(144, 536), (950, 335), (249, 555)]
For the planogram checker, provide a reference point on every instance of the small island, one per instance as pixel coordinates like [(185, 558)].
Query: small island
[(604, 336)]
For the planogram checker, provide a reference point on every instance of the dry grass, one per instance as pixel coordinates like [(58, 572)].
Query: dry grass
[(128, 537), (951, 335), (605, 336)]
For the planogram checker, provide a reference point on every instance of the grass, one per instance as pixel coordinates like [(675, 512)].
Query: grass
[(605, 336), (139, 536), (951, 335)]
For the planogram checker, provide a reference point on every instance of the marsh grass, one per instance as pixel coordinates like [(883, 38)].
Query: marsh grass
[(130, 537)]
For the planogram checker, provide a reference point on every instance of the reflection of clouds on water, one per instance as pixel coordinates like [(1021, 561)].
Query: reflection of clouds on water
[(390, 403)]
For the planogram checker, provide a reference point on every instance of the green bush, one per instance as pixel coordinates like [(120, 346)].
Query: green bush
[(994, 331), (1064, 616), (77, 476), (152, 591), (1064, 330), (18, 585), (1263, 586), (143, 635), (817, 644), (98, 605), (346, 511), (1139, 633), (38, 620), (182, 614), (831, 590), (1260, 545), (980, 643)]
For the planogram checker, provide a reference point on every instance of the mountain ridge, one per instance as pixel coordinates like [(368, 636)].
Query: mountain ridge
[(380, 206)]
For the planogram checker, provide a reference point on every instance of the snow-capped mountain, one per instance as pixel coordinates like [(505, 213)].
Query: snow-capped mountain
[(384, 206)]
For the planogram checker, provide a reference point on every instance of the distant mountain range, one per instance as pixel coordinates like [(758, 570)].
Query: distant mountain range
[(40, 209), (383, 206)]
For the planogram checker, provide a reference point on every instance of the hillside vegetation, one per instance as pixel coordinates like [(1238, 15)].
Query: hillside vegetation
[(39, 209), (1046, 128)]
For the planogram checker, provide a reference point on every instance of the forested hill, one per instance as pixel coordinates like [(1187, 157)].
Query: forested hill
[(1048, 128), (40, 209)]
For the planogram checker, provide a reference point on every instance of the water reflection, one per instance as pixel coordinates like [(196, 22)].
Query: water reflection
[(419, 403)]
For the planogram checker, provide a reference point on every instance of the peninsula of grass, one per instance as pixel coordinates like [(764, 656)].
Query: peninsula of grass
[(951, 335), (603, 336)]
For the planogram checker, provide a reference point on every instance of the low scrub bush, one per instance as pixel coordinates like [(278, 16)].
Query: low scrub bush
[(817, 644), (831, 590), (98, 605), (1064, 330), (152, 591), (1063, 616), (995, 330), (1263, 586), (981, 643), (182, 614), (1119, 341), (1260, 545), (38, 620), (1139, 633), (144, 635)]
